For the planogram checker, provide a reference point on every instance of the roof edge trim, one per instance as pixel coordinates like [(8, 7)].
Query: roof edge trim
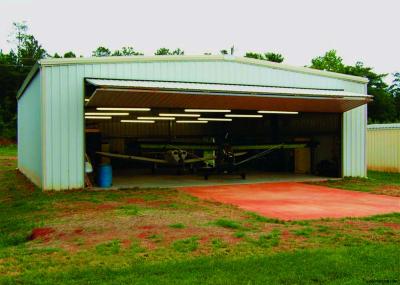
[(35, 69), (126, 59), (390, 126)]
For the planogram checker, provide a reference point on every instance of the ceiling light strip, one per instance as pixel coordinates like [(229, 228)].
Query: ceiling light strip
[(98, 117), (138, 121), (178, 115), (191, 122), (157, 118), (278, 112), (105, 114), (207, 111), (123, 109), (215, 119), (243, 116)]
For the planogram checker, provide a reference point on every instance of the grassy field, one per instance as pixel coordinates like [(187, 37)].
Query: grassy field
[(164, 236), (377, 183), (8, 150)]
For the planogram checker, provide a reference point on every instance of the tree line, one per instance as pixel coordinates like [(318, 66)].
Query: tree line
[(16, 64)]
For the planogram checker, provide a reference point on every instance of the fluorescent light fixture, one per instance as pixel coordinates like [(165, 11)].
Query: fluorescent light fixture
[(191, 122), (98, 117), (106, 114), (178, 115), (123, 109), (278, 112), (87, 100), (156, 118), (215, 119), (243, 116), (138, 121), (207, 111)]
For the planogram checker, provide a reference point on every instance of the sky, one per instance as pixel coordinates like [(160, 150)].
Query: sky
[(360, 30)]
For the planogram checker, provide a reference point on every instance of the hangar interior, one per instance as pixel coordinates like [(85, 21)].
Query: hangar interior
[(296, 141)]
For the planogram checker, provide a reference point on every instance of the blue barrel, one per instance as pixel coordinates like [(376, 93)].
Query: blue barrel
[(104, 176)]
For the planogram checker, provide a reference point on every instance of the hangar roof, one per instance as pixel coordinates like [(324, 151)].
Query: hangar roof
[(245, 60), (183, 58)]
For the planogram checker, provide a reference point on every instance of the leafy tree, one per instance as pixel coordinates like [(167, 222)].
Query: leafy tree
[(30, 51), (162, 51), (10, 78), (394, 89), (14, 67), (17, 36), (178, 51), (254, 55), (101, 51), (130, 51), (117, 53), (126, 51), (382, 108), (275, 57), (166, 51), (330, 61), (69, 54), (269, 56)]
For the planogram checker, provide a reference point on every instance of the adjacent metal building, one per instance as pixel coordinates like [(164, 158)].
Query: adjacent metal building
[(51, 103), (383, 147)]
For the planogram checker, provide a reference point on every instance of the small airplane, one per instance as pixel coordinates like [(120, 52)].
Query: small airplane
[(174, 157), (223, 158), (226, 162)]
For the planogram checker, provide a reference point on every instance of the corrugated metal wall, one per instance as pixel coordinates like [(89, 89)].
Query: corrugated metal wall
[(29, 132), (63, 105), (383, 149), (354, 142)]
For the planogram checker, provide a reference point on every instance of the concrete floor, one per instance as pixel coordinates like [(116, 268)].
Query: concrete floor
[(298, 201), (144, 179)]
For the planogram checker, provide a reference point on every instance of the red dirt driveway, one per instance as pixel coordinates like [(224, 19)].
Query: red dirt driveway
[(298, 201)]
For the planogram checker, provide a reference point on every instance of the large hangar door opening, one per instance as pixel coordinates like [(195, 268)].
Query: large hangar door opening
[(149, 145), (173, 133)]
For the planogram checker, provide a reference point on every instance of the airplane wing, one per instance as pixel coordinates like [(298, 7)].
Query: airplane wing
[(178, 146), (269, 146), (132, 157), (259, 155), (198, 159), (215, 147)]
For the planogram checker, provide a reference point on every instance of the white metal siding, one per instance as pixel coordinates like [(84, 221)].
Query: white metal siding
[(354, 135), (29, 132), (63, 105), (63, 128), (383, 149)]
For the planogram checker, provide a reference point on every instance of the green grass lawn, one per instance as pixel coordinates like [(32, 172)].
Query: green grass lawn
[(377, 182), (164, 236), (8, 150)]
